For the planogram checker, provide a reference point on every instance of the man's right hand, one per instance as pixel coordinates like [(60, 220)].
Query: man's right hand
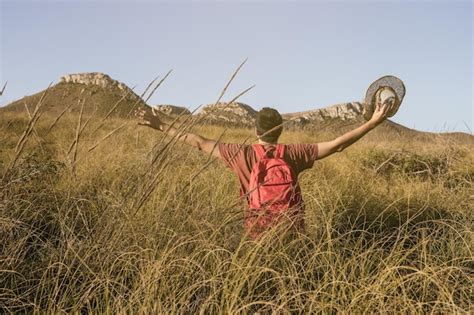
[(385, 101), (380, 113), (148, 116)]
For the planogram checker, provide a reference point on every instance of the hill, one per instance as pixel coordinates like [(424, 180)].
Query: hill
[(98, 91), (103, 95)]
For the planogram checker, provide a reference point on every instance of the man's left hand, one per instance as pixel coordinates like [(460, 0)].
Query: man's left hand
[(148, 116)]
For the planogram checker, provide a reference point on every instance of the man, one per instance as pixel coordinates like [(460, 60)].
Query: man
[(243, 158)]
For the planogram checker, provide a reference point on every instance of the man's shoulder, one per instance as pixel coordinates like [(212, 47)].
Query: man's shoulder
[(233, 149), (234, 154), (302, 151)]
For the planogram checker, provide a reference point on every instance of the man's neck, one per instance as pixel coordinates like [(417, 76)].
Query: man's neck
[(266, 143)]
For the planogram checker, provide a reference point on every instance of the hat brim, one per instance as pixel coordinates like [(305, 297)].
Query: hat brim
[(386, 81)]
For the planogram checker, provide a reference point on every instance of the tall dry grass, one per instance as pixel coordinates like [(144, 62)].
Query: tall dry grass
[(136, 224)]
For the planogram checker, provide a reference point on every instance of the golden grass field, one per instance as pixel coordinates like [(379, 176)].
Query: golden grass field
[(141, 224)]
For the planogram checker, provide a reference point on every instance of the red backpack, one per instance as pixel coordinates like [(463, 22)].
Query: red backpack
[(273, 190)]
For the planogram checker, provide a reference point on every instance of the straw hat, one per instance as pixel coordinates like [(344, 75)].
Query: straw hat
[(385, 89)]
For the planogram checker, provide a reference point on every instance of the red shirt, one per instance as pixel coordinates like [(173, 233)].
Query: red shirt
[(241, 158)]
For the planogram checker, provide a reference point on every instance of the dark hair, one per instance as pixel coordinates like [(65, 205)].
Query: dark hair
[(267, 119)]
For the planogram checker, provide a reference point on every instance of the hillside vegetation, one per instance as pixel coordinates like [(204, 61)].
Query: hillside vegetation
[(105, 217)]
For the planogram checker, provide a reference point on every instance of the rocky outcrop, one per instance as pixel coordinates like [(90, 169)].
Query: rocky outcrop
[(173, 110), (235, 114), (239, 114), (344, 111), (98, 79)]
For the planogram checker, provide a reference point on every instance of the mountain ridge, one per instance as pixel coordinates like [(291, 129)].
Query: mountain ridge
[(103, 95)]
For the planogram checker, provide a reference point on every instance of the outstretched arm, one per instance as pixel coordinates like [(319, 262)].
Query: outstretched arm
[(340, 143), (149, 117)]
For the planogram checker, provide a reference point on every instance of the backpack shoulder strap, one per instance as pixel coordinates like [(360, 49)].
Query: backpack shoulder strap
[(280, 151), (259, 151)]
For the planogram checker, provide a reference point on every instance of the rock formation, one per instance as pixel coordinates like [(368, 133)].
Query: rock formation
[(96, 78), (244, 115), (235, 114), (344, 111)]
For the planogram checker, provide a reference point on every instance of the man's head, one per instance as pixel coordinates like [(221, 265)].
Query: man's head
[(268, 125)]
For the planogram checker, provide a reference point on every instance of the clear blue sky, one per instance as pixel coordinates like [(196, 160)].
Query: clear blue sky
[(302, 55)]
